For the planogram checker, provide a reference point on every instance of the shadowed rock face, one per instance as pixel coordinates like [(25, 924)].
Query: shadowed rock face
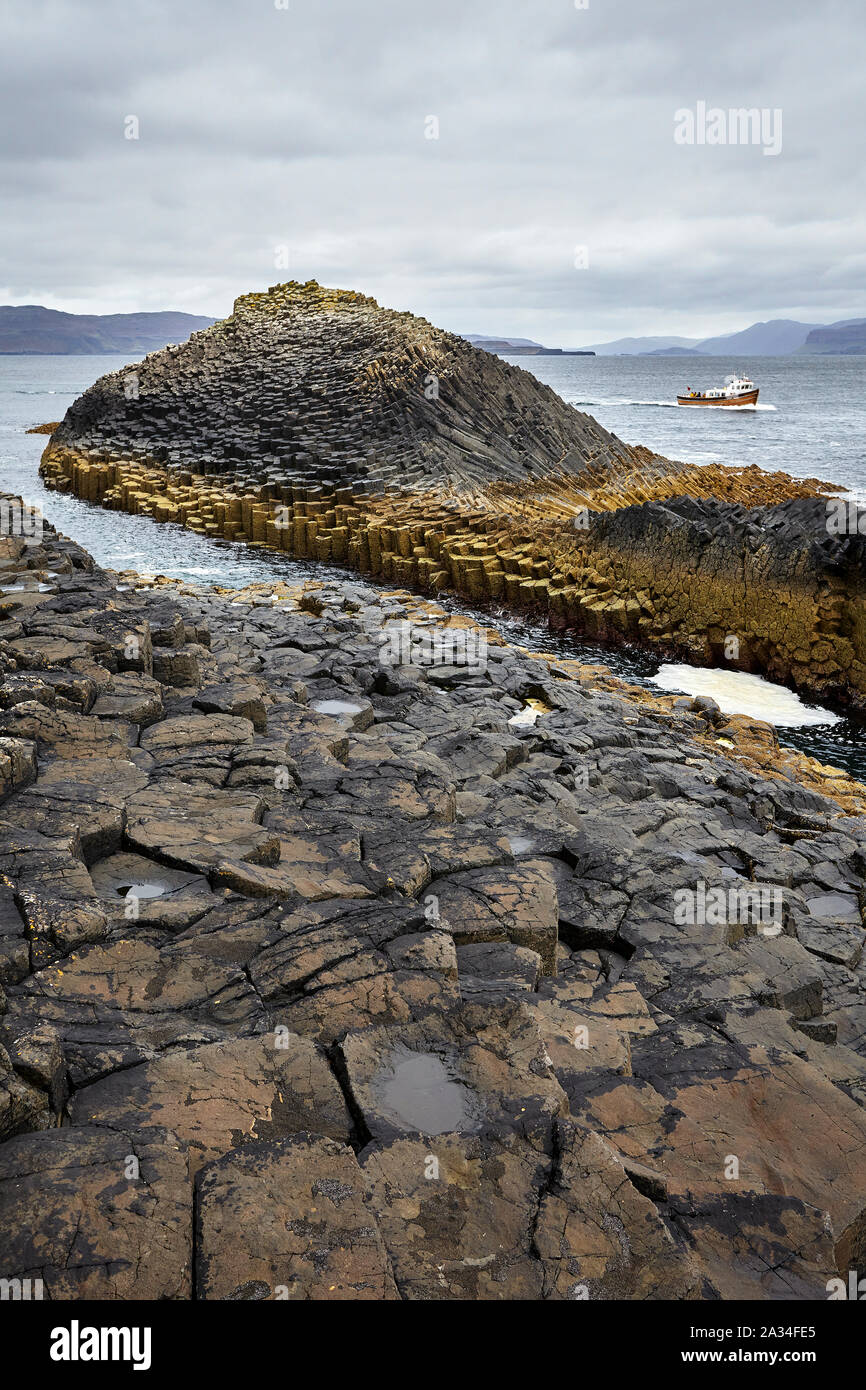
[(310, 385)]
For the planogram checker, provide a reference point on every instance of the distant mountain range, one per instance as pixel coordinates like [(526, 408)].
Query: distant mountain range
[(776, 338), (29, 328)]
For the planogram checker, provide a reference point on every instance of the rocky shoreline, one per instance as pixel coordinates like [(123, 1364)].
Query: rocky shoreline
[(315, 422), (347, 953)]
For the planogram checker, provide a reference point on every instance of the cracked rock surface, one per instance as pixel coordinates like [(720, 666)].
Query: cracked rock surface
[(321, 979)]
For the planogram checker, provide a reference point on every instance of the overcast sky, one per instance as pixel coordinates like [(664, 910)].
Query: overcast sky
[(306, 127)]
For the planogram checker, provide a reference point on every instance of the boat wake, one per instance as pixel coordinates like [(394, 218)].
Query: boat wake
[(740, 409), (667, 405)]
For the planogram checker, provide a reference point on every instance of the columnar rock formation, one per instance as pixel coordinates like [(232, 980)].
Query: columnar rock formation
[(316, 387), (329, 977), (313, 421)]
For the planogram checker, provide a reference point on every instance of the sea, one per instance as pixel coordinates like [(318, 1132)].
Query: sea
[(810, 421)]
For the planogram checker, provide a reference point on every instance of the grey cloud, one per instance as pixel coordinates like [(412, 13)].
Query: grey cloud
[(261, 127)]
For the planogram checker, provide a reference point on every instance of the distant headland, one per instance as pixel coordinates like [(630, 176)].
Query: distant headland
[(523, 347), (31, 328)]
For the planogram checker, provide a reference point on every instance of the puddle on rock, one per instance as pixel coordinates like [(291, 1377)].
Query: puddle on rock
[(125, 875), (520, 844), (835, 907), (420, 1092), (142, 890), (336, 707), (529, 715)]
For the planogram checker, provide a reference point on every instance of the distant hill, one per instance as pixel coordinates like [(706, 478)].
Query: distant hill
[(674, 352), (496, 344), (30, 328), (776, 338), (848, 337), (634, 346), (522, 347)]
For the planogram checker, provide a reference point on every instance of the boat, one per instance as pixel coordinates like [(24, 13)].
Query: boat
[(737, 390)]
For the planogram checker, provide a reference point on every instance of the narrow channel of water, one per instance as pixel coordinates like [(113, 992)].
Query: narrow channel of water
[(118, 541)]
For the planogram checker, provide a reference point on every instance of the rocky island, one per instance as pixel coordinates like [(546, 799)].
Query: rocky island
[(316, 422), (350, 953)]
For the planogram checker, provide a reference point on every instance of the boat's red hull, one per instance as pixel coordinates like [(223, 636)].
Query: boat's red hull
[(749, 398)]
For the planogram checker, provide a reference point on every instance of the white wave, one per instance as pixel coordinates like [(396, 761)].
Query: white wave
[(664, 405), (667, 405), (696, 456), (740, 409), (737, 692)]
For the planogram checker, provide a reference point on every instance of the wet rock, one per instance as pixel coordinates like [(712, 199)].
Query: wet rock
[(497, 970), (38, 1057), (132, 698), (403, 952), (482, 1069), (192, 829), (23, 1106), (237, 698), (344, 964), (750, 1246), (53, 890), (598, 1236), (17, 765), (90, 793), (65, 734), (708, 1113), (456, 1213), (177, 666), (132, 974)]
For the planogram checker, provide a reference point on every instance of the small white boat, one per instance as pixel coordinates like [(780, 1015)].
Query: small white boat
[(737, 390)]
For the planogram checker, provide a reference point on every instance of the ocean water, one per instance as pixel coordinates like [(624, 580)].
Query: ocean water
[(813, 423), (810, 419)]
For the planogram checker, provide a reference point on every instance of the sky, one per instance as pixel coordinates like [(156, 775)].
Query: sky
[(521, 167)]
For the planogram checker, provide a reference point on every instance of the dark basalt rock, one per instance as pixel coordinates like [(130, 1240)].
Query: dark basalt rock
[(308, 386), (318, 984)]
